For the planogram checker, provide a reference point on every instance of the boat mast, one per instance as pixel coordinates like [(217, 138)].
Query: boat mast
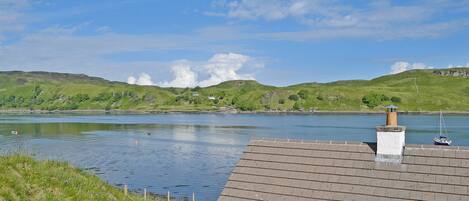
[(440, 123)]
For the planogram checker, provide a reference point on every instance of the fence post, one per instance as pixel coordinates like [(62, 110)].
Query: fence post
[(193, 196), (125, 189), (145, 194)]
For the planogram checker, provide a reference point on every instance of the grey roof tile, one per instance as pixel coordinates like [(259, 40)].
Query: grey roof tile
[(301, 170)]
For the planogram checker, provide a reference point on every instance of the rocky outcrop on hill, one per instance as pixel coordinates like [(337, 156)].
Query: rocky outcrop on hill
[(453, 72)]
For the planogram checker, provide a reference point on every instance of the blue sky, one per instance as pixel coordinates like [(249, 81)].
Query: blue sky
[(204, 42)]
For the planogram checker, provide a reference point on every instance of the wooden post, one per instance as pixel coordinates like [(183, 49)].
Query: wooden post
[(193, 196), (145, 194), (125, 190), (169, 198)]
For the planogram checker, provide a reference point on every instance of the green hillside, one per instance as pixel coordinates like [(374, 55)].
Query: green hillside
[(416, 90)]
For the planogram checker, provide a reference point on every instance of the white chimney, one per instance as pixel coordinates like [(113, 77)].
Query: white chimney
[(390, 138)]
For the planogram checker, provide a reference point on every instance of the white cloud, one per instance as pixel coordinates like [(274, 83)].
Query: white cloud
[(401, 66), (225, 66), (131, 80), (143, 79), (63, 49), (458, 66), (272, 10), (12, 16), (338, 19), (328, 13), (219, 68), (104, 29), (265, 9), (184, 76)]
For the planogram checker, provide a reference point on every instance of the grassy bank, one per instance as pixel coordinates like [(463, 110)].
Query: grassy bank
[(23, 178)]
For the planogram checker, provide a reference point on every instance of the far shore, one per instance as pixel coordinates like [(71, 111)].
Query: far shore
[(317, 112)]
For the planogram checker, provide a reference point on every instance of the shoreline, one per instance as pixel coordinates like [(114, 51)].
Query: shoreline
[(323, 112)]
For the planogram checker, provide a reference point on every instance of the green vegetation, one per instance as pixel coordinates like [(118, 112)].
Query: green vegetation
[(416, 90), (373, 100), (23, 178)]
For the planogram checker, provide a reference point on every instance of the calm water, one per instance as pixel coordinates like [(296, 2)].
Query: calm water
[(185, 153)]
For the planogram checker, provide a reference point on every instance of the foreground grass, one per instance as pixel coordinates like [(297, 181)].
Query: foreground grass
[(23, 178)]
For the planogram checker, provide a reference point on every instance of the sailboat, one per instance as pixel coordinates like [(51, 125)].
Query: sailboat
[(442, 139)]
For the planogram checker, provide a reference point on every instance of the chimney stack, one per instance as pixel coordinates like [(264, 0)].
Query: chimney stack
[(390, 138), (391, 115)]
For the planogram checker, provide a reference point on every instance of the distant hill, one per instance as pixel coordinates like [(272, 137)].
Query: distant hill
[(415, 90)]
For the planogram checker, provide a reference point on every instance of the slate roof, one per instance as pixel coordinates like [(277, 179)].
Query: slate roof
[(299, 170)]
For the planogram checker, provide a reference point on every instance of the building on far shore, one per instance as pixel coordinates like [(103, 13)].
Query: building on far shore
[(274, 170)]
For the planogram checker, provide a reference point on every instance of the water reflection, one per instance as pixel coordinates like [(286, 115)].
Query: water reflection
[(184, 133)]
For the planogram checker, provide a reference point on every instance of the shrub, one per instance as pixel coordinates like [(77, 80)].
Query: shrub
[(80, 98), (373, 100), (195, 100), (181, 98), (103, 96), (70, 106), (149, 98), (197, 88), (297, 106), (37, 91), (395, 99), (294, 97), (234, 100), (281, 101), (303, 94), (246, 106), (52, 107), (384, 98)]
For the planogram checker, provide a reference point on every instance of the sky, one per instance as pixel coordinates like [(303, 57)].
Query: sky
[(181, 43)]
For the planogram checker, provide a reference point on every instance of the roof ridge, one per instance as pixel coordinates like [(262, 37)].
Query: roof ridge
[(301, 141), (345, 142)]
